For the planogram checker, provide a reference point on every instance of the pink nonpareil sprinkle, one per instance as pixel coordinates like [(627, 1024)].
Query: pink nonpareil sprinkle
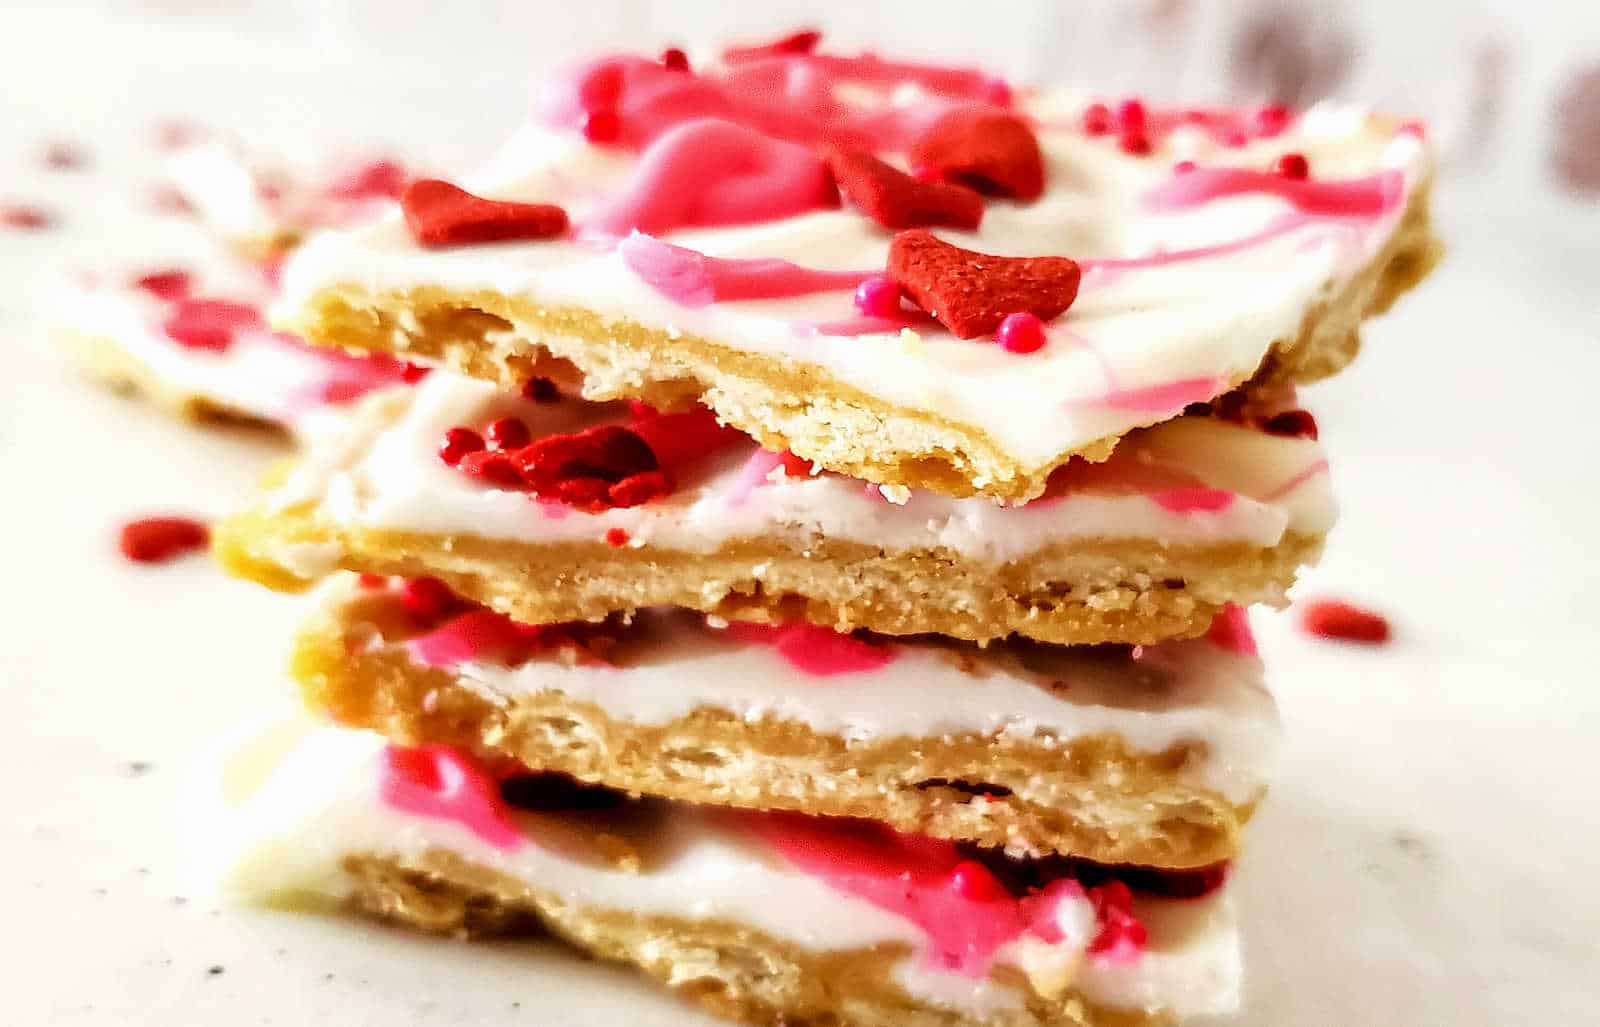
[(160, 539)]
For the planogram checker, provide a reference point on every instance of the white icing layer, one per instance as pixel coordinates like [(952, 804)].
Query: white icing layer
[(669, 664), (1206, 321), (277, 812), (397, 481)]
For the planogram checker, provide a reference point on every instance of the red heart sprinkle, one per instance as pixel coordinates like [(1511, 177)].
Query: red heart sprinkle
[(970, 293), (208, 324), (159, 539), (1330, 618), (993, 153), (894, 199), (441, 214)]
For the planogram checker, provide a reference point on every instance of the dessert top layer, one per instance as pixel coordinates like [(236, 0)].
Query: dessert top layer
[(703, 204), (281, 809)]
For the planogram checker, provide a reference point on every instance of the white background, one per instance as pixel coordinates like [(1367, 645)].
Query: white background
[(1428, 855)]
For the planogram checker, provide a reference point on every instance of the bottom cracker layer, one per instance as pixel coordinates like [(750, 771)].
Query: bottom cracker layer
[(1155, 759), (770, 918)]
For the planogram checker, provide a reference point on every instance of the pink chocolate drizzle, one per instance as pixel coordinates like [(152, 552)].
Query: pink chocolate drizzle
[(965, 911), (1368, 197), (818, 651), (438, 783), (1194, 500), (690, 278), (710, 173)]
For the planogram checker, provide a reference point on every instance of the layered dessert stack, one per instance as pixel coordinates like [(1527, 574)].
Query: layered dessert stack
[(815, 570)]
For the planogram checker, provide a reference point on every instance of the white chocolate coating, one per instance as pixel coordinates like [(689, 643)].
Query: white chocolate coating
[(276, 811), (397, 481), (1202, 321)]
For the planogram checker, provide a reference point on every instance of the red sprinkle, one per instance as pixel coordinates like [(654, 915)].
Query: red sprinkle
[(441, 214), (1135, 143), (1273, 119), (507, 433), (25, 217), (458, 442), (1021, 332), (1132, 117), (674, 59), (1331, 618), (1298, 423), (159, 539), (616, 538), (65, 156), (1122, 935), (411, 374), (1097, 120), (1183, 167), (426, 598), (209, 324), (170, 284), (878, 296), (1294, 167), (796, 466)]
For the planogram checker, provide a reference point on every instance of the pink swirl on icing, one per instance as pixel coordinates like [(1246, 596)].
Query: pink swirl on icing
[(710, 173), (1230, 629), (814, 650), (1168, 397), (1371, 196), (865, 325), (1194, 500), (828, 70), (690, 278), (479, 634), (965, 911), (437, 782), (761, 463), (1273, 495)]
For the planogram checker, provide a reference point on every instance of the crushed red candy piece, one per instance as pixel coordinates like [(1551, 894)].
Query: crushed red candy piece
[(411, 373), (25, 217), (802, 42), (496, 468), (638, 489), (680, 439), (970, 293), (458, 442), (674, 59), (507, 433), (894, 199), (1297, 423), (159, 539), (1293, 166), (616, 538), (1331, 618), (208, 324), (441, 214), (170, 284), (991, 152), (1135, 143), (609, 452)]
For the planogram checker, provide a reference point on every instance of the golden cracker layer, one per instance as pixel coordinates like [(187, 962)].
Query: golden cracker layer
[(1079, 593), (731, 969), (1089, 797), (508, 339)]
